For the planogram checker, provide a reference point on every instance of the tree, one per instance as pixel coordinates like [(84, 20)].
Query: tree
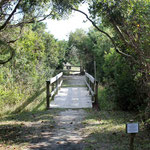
[(130, 23), (37, 55), (80, 46), (18, 13)]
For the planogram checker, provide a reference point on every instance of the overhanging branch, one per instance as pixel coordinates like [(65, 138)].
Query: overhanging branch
[(32, 20), (2, 62), (111, 39), (10, 16)]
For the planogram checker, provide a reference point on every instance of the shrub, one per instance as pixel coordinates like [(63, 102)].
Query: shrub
[(120, 80), (106, 98), (9, 97)]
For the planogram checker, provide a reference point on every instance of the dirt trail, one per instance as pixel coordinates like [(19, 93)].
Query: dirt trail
[(54, 129), (66, 135)]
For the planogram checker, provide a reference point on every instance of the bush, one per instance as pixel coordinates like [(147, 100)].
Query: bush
[(9, 97), (120, 80), (106, 99)]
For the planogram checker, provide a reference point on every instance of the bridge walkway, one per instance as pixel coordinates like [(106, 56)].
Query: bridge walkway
[(73, 94)]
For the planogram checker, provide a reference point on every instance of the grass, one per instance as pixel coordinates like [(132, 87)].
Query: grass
[(36, 101), (66, 85), (24, 123), (72, 71), (33, 102), (105, 130), (73, 68), (105, 103)]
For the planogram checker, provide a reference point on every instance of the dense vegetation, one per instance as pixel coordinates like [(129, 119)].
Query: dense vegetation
[(118, 42), (37, 55), (29, 55)]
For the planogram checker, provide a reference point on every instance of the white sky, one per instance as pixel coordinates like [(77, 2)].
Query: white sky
[(61, 29)]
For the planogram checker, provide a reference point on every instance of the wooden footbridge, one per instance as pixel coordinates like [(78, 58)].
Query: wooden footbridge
[(72, 91)]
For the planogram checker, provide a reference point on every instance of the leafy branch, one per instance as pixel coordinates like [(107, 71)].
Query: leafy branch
[(10, 16), (100, 30), (12, 53)]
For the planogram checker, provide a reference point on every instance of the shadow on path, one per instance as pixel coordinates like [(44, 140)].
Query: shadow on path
[(45, 130)]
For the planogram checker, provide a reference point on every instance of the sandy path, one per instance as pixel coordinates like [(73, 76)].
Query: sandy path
[(66, 135), (67, 132)]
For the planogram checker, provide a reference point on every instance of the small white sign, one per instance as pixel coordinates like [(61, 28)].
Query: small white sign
[(132, 127)]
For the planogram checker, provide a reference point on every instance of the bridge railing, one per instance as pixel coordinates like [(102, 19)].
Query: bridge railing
[(52, 87), (92, 85)]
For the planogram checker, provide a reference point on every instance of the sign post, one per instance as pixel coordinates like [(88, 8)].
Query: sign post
[(132, 129)]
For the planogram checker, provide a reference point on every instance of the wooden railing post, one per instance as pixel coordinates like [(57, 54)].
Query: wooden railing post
[(87, 81), (96, 93), (57, 83), (92, 85), (53, 87), (60, 79), (47, 93), (91, 88)]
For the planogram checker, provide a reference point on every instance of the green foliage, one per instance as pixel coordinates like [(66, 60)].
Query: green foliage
[(126, 79), (17, 14), (6, 51), (63, 7), (107, 129), (120, 79), (37, 55), (106, 99), (80, 47), (9, 97), (114, 71)]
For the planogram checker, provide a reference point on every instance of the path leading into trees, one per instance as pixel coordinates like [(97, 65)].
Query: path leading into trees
[(73, 94), (67, 133)]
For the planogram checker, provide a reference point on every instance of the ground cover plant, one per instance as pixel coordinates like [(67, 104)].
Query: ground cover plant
[(106, 130)]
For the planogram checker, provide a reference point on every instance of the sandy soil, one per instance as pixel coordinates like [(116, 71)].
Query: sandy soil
[(66, 135)]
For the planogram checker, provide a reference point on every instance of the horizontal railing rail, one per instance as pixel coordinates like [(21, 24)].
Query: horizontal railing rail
[(52, 87), (92, 85)]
